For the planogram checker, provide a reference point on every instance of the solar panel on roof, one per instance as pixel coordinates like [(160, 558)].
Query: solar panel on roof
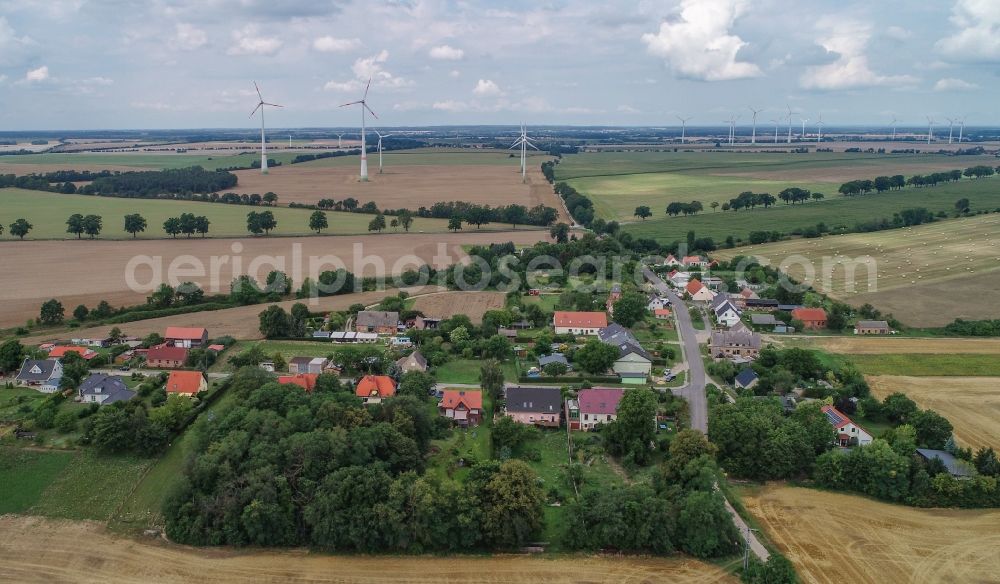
[(835, 419)]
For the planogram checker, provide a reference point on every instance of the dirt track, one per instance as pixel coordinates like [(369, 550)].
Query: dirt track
[(839, 539), (41, 550), (86, 272)]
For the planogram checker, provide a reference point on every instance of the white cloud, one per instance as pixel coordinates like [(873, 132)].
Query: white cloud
[(452, 106), (627, 109), (953, 84), (446, 53), (366, 68), (188, 38), (486, 88), (699, 45), (898, 33), (343, 86), (978, 39), (3, 78), (248, 41), (12, 47), (851, 70), (37, 75), (98, 81), (454, 73), (329, 44)]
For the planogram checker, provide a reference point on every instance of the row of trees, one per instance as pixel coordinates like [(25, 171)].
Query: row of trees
[(153, 183), (19, 228), (881, 184), (187, 223)]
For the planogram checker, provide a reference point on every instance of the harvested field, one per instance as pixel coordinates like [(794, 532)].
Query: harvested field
[(472, 304), (971, 404), (22, 169), (87, 272), (835, 538), (896, 345), (40, 550)]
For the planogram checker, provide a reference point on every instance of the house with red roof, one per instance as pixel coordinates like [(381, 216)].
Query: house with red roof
[(188, 383), (812, 318), (372, 389), (695, 261), (698, 291), (58, 352), (306, 381), (848, 433), (578, 323), (671, 260), (592, 407), (462, 406), (661, 314), (166, 357), (187, 337)]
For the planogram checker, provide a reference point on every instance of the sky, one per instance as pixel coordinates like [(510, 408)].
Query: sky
[(118, 64)]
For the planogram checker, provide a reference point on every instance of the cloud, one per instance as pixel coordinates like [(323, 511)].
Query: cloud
[(247, 41), (446, 53), (343, 86), (454, 73), (329, 44), (953, 84), (847, 40), (627, 109), (37, 75), (978, 39), (898, 33), (12, 47), (104, 81), (452, 106), (188, 38), (366, 68), (3, 78), (698, 44), (486, 88)]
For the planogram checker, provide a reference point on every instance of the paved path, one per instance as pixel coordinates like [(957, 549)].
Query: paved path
[(694, 390)]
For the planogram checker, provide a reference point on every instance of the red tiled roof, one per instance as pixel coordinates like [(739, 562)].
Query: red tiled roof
[(451, 398), (694, 286), (662, 312), (599, 401), (580, 319), (809, 314), (184, 382), (84, 352), (166, 353), (217, 348), (186, 333), (691, 260), (376, 386), (306, 381)]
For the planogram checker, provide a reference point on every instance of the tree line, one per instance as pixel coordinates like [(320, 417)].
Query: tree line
[(881, 184)]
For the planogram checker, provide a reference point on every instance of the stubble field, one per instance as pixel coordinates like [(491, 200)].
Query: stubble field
[(971, 404), (873, 345), (42, 550), (472, 304), (836, 538)]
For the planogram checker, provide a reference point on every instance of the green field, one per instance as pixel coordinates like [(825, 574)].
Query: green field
[(25, 474), (48, 212), (435, 156), (956, 364), (146, 160), (467, 371)]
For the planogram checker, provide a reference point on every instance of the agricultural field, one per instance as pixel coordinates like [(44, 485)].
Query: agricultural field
[(125, 161), (90, 271), (47, 212), (410, 180), (26, 473), (472, 304), (901, 271), (124, 559), (617, 182), (971, 404), (949, 364), (835, 538), (896, 345)]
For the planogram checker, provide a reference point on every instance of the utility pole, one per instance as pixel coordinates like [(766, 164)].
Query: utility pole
[(746, 547)]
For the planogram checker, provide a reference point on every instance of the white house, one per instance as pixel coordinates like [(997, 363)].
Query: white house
[(657, 302), (698, 292), (671, 261), (578, 323), (848, 433), (725, 311)]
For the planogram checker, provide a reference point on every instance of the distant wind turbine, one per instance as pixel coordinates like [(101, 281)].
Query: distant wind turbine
[(380, 136), (340, 143), (364, 107), (776, 123), (802, 136), (753, 132), (819, 129), (930, 129), (951, 128), (961, 129), (894, 120), (684, 122), (789, 123), (524, 142), (263, 140)]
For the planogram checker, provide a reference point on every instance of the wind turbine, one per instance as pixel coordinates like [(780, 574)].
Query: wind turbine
[(951, 128), (380, 136), (732, 129), (753, 132), (802, 136), (961, 129), (819, 129), (340, 143), (776, 122), (930, 129), (364, 150), (684, 122), (894, 120), (789, 123), (263, 141), (524, 142)]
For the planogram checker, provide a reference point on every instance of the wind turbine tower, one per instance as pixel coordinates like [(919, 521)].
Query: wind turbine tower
[(961, 129), (894, 120), (380, 136), (951, 128), (684, 122), (789, 123), (802, 136), (364, 108), (930, 129), (263, 140), (776, 123), (819, 129), (340, 143), (753, 132), (524, 142)]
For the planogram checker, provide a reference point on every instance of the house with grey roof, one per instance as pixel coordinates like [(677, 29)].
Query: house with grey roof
[(535, 406), (729, 344), (553, 358), (41, 374), (746, 379), (376, 321), (872, 327), (632, 358), (764, 320), (415, 361), (104, 389)]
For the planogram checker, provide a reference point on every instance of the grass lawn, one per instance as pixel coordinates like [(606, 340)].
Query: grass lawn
[(91, 486), (467, 443), (17, 402), (651, 330), (547, 302), (47, 212), (147, 160), (958, 364), (25, 474), (467, 371)]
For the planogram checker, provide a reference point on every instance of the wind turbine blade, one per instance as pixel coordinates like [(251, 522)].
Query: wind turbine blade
[(351, 103), (258, 91), (366, 90), (532, 145), (255, 109), (369, 109), (273, 104)]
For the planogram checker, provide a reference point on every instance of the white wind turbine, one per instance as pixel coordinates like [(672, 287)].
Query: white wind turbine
[(380, 136), (951, 128), (930, 129), (753, 132), (732, 128), (819, 129), (364, 107), (802, 136), (340, 143), (776, 123), (524, 142), (684, 122), (894, 120), (789, 123), (263, 140), (961, 128)]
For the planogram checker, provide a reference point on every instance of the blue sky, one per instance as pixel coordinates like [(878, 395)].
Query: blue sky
[(79, 64)]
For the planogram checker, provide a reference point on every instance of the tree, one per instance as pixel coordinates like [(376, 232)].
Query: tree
[(559, 232), (514, 214), (52, 312), (172, 226), (162, 297), (554, 369), (394, 223), (274, 322), (378, 223), (270, 198), (455, 223), (318, 221), (898, 408), (491, 377), (187, 224), (20, 228), (962, 205), (630, 435), (74, 225), (267, 221), (135, 223), (405, 219), (933, 429), (595, 357), (777, 570), (629, 309), (497, 347), (714, 205), (416, 383), (201, 224), (80, 312), (92, 225), (512, 506), (11, 355), (642, 212), (706, 527)]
